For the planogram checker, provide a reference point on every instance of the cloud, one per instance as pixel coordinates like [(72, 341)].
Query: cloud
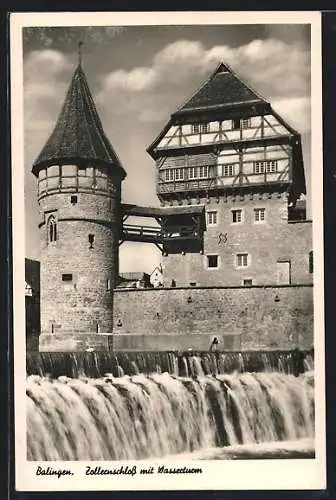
[(46, 75), (69, 36), (134, 104), (273, 68), (295, 111)]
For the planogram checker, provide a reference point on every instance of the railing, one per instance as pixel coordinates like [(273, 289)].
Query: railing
[(142, 233), (156, 235)]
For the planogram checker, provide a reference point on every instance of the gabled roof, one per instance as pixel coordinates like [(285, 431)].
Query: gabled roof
[(223, 88), (78, 135), (222, 91)]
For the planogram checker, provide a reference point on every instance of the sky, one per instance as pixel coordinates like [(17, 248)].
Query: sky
[(139, 75)]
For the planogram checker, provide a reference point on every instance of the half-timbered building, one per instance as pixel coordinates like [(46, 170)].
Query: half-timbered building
[(228, 155)]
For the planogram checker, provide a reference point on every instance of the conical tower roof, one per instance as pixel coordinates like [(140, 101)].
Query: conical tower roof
[(78, 135), (223, 89)]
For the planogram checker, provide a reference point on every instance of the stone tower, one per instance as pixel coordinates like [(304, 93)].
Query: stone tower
[(227, 150), (79, 191)]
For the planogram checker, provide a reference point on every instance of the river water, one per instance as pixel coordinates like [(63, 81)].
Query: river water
[(163, 413)]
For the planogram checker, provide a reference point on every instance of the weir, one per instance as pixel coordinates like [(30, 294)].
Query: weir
[(185, 364), (158, 415)]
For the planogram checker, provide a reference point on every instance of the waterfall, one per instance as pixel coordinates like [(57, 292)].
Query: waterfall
[(145, 416), (97, 364)]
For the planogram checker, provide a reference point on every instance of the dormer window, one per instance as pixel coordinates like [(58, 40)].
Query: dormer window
[(205, 128), (236, 124), (52, 229), (240, 123), (195, 128)]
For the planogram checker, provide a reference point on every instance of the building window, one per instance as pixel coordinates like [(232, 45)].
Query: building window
[(237, 216), (245, 123), (283, 272), (247, 282), (169, 175), (203, 171), (52, 229), (205, 128), (74, 200), (66, 277), (311, 262), (212, 218), (192, 172), (268, 166), (212, 261), (241, 259), (195, 128), (108, 285), (236, 124), (179, 174), (91, 240), (271, 166), (258, 167), (259, 215), (228, 170)]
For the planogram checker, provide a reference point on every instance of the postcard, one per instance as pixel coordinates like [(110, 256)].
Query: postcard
[(167, 251)]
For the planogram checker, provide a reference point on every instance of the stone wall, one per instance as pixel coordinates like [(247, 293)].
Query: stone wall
[(273, 316), (85, 302), (266, 243)]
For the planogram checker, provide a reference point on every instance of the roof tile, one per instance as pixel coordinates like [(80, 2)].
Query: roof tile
[(78, 134), (223, 88)]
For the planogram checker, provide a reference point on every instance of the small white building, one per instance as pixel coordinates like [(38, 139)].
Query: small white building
[(156, 277)]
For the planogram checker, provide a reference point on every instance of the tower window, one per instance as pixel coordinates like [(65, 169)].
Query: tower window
[(228, 170), (195, 128), (241, 259), (74, 199), (52, 229), (91, 240), (212, 218), (311, 262), (205, 128), (237, 216), (259, 215), (212, 261), (66, 277), (108, 285)]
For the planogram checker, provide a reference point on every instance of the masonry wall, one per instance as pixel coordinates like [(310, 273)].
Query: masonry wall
[(266, 243), (85, 303), (275, 316)]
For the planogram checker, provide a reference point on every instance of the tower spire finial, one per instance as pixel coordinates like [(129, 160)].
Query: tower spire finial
[(80, 43)]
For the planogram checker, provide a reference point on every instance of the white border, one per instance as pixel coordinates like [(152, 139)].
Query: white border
[(241, 475)]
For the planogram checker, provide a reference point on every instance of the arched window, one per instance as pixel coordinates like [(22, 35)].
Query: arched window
[(52, 228)]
